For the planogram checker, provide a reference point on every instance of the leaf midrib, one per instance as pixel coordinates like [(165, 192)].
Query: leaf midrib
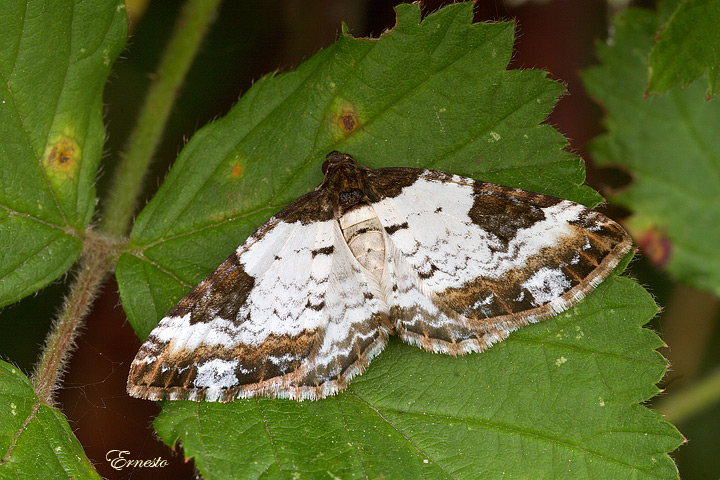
[(502, 428)]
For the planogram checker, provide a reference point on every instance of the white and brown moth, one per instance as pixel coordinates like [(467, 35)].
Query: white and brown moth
[(450, 264)]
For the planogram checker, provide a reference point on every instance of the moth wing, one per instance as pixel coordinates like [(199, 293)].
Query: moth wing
[(470, 262), (287, 315)]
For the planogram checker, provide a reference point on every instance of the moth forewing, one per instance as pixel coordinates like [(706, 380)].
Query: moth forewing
[(448, 263)]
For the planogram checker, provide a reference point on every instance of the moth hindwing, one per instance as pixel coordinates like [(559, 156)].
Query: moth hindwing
[(448, 263)]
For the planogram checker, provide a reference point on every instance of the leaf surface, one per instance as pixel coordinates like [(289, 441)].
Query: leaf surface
[(54, 60), (688, 45), (558, 399), (670, 145), (35, 440)]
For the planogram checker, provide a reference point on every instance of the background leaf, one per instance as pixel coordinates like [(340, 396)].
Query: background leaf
[(35, 439), (54, 60), (688, 45), (558, 399), (671, 147)]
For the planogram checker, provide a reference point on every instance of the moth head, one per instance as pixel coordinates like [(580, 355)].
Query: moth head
[(345, 179), (334, 159)]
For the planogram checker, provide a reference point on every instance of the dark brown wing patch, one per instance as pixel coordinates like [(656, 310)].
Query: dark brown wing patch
[(466, 263)]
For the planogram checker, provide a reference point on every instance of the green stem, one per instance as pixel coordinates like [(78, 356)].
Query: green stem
[(99, 250), (681, 406), (190, 28)]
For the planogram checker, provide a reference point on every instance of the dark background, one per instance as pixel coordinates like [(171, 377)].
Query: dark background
[(250, 39)]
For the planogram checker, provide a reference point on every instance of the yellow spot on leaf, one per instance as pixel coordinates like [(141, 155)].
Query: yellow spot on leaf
[(236, 168), (62, 153), (62, 159), (560, 361), (344, 119)]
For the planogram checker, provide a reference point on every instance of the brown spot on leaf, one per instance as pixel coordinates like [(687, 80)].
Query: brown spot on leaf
[(344, 118), (348, 121), (63, 155), (237, 171)]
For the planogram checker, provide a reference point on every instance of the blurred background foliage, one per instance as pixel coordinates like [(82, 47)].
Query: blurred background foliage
[(250, 39)]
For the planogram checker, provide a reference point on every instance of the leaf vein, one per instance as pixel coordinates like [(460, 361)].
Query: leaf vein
[(402, 434)]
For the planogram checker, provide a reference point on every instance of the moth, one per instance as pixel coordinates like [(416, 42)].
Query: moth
[(450, 264)]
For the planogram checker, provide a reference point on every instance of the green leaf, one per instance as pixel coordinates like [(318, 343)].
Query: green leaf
[(670, 145), (557, 400), (35, 439), (433, 94), (688, 45), (54, 60)]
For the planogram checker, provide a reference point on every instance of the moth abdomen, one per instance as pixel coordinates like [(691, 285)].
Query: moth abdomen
[(363, 234), (450, 264)]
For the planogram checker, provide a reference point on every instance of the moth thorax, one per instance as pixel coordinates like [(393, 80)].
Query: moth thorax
[(363, 234)]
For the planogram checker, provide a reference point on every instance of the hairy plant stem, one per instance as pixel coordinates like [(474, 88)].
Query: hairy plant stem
[(94, 266), (100, 249)]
